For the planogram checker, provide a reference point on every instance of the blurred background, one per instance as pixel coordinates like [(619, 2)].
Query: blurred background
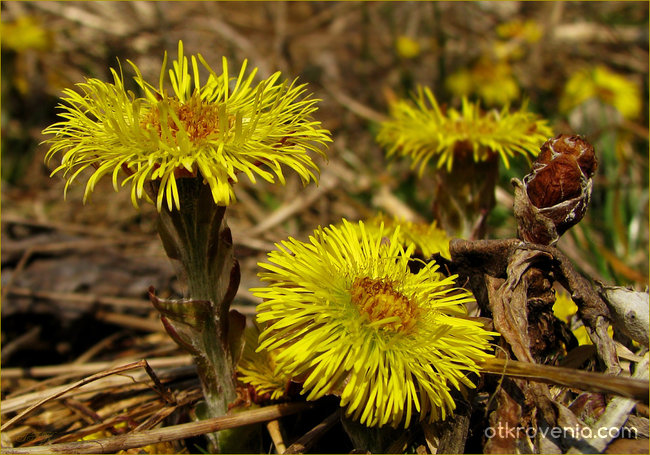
[(74, 277)]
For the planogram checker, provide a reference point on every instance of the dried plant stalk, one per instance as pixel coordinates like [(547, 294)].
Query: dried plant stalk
[(636, 389)]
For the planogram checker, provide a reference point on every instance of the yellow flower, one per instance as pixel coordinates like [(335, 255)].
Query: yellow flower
[(423, 131), (344, 313), (604, 85), (461, 83), (258, 368), (214, 129), (25, 33), (407, 47), (491, 80), (428, 238), (565, 309), (528, 31)]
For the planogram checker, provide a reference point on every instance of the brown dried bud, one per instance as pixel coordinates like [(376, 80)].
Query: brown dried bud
[(555, 195)]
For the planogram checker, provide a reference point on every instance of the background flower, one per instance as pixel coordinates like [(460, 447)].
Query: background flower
[(427, 238), (462, 195), (407, 47), (345, 314), (211, 129), (423, 131), (600, 83), (491, 80), (25, 33)]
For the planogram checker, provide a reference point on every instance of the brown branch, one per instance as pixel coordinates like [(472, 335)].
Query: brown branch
[(483, 256), (591, 307), (636, 389), (302, 200), (473, 259), (275, 431)]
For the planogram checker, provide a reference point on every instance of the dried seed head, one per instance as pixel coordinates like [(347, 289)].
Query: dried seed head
[(555, 194), (553, 183), (569, 146)]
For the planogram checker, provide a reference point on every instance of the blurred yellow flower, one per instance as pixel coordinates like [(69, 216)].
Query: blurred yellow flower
[(213, 130), (604, 85), (344, 313), (491, 80), (529, 30), (25, 33), (424, 131), (427, 238), (407, 47), (461, 83)]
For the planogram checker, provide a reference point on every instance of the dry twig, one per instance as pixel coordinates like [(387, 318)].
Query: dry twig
[(636, 389)]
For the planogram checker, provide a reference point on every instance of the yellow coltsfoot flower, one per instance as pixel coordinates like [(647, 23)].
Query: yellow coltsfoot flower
[(407, 47), (423, 131), (601, 84), (428, 238), (216, 129), (257, 368), (344, 314), (492, 80)]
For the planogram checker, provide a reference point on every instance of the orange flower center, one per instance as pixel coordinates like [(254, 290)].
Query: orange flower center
[(198, 119), (379, 300)]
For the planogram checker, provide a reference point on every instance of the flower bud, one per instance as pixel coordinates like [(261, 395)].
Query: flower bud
[(555, 194)]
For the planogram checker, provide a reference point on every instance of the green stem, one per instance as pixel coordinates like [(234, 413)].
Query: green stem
[(197, 236), (370, 439), (465, 197)]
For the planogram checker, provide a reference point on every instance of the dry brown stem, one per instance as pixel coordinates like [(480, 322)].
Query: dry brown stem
[(636, 389), (303, 200)]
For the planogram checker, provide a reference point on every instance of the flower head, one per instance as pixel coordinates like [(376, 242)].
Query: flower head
[(212, 129), (428, 238), (346, 315), (528, 31), (555, 195), (257, 368), (604, 85), (407, 47), (424, 131), (491, 80), (25, 33)]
